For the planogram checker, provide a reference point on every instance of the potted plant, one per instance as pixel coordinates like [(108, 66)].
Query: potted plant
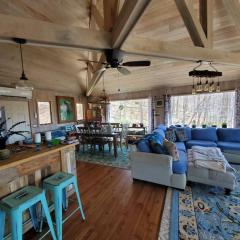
[(194, 124), (5, 135), (204, 125), (224, 125)]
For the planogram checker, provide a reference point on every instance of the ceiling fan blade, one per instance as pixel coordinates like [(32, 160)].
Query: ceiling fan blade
[(123, 70), (137, 64), (90, 61)]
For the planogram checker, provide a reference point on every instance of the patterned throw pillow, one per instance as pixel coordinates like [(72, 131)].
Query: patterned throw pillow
[(181, 134), (170, 135), (171, 149), (156, 146)]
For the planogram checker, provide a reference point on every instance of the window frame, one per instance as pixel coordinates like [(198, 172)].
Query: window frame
[(50, 110), (77, 111)]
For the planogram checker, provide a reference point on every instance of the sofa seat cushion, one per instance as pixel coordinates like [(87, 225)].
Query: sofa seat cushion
[(205, 134), (191, 143), (180, 167), (180, 146), (228, 134), (229, 146)]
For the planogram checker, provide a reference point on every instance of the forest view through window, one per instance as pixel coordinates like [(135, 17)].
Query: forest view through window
[(130, 111), (204, 109)]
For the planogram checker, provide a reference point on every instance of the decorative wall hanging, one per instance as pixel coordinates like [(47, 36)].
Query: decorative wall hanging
[(65, 109)]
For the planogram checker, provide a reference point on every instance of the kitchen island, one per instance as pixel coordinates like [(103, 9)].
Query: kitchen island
[(30, 167)]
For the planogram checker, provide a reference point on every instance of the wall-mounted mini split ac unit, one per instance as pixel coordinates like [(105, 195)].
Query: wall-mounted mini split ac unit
[(16, 92)]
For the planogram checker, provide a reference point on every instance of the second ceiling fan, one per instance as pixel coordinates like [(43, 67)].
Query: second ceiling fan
[(114, 59)]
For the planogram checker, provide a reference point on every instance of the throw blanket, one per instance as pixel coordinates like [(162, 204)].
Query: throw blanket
[(211, 158)]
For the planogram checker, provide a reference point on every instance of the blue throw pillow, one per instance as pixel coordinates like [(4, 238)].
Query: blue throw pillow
[(157, 146), (170, 135), (143, 146), (181, 134)]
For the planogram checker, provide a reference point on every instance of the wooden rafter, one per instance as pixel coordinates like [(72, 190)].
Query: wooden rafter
[(233, 8), (130, 13), (192, 23), (120, 26), (110, 9), (50, 34), (149, 47), (206, 19)]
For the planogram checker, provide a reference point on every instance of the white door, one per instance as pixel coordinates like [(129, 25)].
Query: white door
[(17, 111)]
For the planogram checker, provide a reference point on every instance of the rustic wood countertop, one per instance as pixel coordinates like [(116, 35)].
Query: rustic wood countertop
[(30, 154)]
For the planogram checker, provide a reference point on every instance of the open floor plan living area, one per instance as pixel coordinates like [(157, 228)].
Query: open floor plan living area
[(120, 119)]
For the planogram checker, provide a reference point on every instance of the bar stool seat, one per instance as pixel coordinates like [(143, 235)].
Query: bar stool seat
[(19, 201), (57, 184)]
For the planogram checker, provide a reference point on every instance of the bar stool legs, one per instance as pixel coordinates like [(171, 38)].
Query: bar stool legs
[(56, 185), (78, 198)]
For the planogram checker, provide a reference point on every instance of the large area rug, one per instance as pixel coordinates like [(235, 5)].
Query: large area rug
[(108, 159), (202, 212)]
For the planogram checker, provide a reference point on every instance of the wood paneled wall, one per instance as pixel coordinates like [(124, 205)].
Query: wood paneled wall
[(43, 95)]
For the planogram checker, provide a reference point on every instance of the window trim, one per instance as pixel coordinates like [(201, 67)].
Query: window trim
[(83, 112)]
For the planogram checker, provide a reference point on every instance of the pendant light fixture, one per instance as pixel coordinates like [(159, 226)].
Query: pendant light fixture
[(209, 74), (23, 82)]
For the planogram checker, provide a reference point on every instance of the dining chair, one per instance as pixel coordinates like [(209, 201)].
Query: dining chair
[(83, 139), (123, 136)]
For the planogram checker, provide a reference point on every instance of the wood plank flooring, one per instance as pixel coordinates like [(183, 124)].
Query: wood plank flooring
[(116, 208)]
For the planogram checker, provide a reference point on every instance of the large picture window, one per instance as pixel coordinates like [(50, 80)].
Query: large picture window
[(204, 109), (130, 111)]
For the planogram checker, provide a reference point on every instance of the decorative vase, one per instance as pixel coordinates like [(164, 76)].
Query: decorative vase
[(4, 154), (224, 125), (194, 126)]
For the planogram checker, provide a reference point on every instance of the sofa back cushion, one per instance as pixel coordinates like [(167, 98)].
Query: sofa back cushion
[(228, 134), (170, 135), (182, 134), (205, 134), (143, 146)]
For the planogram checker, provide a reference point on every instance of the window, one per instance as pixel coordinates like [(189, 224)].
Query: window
[(204, 109), (130, 111), (44, 113), (79, 108)]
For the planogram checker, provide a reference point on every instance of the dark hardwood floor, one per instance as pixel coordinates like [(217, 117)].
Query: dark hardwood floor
[(116, 208)]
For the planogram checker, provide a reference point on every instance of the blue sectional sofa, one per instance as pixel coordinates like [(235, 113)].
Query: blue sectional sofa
[(160, 168)]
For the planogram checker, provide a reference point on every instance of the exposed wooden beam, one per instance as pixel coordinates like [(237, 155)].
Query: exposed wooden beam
[(233, 8), (131, 11), (51, 34), (96, 76), (206, 19), (110, 10), (97, 17), (192, 23), (153, 48)]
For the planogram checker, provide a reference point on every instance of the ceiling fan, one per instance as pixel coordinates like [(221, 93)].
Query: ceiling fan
[(114, 59)]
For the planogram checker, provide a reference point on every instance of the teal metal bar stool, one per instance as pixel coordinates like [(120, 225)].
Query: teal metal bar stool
[(57, 184), (16, 203)]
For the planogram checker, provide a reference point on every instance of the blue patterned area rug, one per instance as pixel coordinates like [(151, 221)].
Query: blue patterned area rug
[(108, 159), (203, 212)]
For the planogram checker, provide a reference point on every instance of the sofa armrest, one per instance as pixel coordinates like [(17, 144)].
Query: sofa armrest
[(151, 167), (152, 159)]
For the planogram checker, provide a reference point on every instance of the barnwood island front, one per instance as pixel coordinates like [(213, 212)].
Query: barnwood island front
[(30, 167)]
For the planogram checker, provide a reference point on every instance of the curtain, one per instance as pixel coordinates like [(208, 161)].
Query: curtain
[(167, 110), (237, 109)]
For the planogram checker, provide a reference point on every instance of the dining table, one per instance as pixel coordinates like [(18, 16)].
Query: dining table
[(114, 136)]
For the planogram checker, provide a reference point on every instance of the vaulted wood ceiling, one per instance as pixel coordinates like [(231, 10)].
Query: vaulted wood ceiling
[(58, 68)]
